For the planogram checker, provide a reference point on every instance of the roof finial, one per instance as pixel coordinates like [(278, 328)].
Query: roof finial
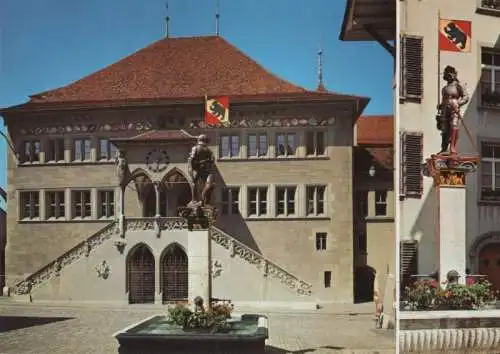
[(167, 20), (217, 16), (321, 86)]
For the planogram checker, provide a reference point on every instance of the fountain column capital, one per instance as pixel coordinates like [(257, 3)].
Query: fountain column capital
[(450, 170)]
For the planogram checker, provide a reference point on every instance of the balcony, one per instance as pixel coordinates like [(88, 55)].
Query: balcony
[(489, 7)]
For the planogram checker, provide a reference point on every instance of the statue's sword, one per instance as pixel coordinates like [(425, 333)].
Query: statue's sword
[(467, 131)]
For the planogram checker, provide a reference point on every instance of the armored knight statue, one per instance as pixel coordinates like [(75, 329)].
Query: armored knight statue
[(453, 96), (201, 166)]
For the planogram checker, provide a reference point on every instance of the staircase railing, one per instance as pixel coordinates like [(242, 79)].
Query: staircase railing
[(53, 269), (267, 267)]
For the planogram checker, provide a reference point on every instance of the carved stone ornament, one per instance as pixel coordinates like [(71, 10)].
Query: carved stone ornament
[(450, 170), (216, 269), (271, 122), (138, 126), (120, 245), (103, 270), (157, 160)]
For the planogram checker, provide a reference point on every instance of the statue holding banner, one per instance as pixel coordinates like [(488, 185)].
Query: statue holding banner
[(453, 96)]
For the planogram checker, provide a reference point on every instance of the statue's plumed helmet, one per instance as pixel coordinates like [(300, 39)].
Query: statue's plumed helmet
[(203, 138)]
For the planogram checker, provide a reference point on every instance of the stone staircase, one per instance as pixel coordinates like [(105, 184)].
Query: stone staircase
[(111, 231)]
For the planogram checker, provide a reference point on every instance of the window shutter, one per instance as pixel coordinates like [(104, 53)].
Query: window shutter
[(411, 85), (408, 262), (412, 154)]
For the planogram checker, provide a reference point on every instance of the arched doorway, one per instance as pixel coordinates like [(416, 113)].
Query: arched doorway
[(141, 275), (174, 274), (489, 263), (175, 192)]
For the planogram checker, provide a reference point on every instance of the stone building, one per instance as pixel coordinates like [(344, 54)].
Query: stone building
[(478, 64), (284, 184), (373, 206)]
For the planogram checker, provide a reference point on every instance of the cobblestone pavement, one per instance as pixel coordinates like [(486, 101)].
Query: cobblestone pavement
[(65, 329)]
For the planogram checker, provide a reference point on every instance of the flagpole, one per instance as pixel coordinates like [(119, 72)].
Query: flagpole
[(439, 60)]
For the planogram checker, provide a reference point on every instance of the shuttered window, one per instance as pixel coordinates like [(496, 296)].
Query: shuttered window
[(411, 85), (411, 169), (408, 262)]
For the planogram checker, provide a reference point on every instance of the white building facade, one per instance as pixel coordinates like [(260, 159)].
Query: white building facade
[(422, 64)]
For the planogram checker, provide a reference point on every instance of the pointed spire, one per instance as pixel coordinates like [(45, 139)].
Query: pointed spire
[(217, 17), (321, 86), (167, 20)]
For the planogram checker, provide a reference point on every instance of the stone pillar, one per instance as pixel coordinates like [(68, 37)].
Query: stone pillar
[(199, 256), (121, 215), (157, 194), (449, 174)]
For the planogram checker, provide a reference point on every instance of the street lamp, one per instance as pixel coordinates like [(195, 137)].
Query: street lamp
[(371, 171)]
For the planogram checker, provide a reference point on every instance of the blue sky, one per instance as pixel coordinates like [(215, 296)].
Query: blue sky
[(50, 43)]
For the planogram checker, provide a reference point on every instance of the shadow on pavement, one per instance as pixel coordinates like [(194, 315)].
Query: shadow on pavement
[(274, 350), (10, 323)]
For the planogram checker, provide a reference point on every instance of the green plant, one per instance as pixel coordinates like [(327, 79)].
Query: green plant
[(213, 320), (179, 315), (421, 295)]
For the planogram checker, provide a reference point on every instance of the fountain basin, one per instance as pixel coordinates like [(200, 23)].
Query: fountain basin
[(246, 334)]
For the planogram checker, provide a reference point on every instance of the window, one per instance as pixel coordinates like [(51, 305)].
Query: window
[(107, 151), (285, 201), (489, 7), (320, 241), (31, 151), (257, 145), (490, 172), (315, 143), (328, 279), (411, 171), (315, 196), (230, 201), (490, 78), (81, 150), (55, 152), (82, 206), (55, 204), (412, 68), (285, 144), (106, 204), (30, 205), (380, 203), (257, 201), (229, 146)]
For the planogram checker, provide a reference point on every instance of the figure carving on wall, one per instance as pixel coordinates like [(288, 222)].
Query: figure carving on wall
[(201, 165), (122, 168), (453, 96)]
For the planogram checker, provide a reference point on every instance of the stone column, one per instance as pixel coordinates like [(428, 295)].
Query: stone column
[(449, 174), (199, 256), (121, 215), (157, 195)]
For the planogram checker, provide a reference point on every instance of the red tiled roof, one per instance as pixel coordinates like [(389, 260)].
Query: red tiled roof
[(179, 68), (375, 130), (364, 157), (161, 135)]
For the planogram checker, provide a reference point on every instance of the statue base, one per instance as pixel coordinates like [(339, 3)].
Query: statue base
[(449, 174), (198, 217), (450, 169)]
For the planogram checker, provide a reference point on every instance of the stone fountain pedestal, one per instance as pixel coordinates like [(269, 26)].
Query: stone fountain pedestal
[(449, 173)]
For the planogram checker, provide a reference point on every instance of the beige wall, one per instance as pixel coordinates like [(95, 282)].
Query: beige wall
[(290, 242), (418, 215)]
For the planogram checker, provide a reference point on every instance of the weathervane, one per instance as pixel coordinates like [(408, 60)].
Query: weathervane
[(167, 20), (217, 17)]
